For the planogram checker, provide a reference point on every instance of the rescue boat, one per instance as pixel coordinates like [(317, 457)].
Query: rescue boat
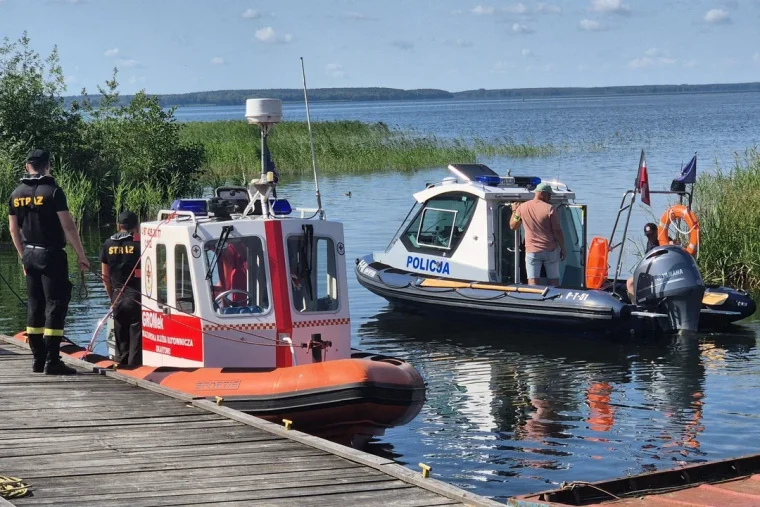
[(455, 254), (245, 299)]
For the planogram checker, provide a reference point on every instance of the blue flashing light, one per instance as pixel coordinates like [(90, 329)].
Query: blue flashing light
[(199, 207), (535, 181), (280, 206), (491, 181)]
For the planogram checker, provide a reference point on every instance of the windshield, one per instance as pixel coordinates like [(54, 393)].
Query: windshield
[(441, 223), (238, 281)]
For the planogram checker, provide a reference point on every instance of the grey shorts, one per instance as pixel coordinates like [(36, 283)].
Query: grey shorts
[(549, 260)]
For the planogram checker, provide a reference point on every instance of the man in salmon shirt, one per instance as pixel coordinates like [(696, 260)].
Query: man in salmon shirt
[(544, 241)]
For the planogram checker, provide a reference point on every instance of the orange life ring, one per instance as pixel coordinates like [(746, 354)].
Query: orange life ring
[(597, 269), (682, 212)]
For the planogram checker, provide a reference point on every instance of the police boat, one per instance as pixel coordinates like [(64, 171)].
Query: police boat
[(455, 254), (245, 299)]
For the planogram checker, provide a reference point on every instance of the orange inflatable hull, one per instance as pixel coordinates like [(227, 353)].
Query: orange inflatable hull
[(345, 400)]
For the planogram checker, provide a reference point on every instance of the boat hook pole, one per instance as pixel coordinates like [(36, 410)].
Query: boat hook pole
[(311, 144)]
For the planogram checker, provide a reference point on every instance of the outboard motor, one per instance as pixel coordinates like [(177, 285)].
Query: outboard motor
[(667, 279)]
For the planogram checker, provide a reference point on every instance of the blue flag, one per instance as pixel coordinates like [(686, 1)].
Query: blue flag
[(689, 172)]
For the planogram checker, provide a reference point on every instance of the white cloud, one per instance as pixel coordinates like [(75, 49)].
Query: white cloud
[(403, 45), (717, 17), (68, 79), (589, 25), (458, 42), (518, 8), (548, 9), (128, 63), (358, 16), (643, 62), (526, 53), (654, 53), (540, 68), (111, 52), (518, 28), (756, 57), (611, 6), (690, 64), (483, 10), (335, 70), (250, 14), (489, 10), (217, 60), (269, 36), (502, 66), (136, 79)]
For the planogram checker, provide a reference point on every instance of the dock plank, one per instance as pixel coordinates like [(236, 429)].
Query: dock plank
[(94, 439)]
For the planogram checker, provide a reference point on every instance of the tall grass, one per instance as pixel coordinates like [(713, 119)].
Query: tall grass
[(233, 148), (728, 206), (9, 179), (81, 195)]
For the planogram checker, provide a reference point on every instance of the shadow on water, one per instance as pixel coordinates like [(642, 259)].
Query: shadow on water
[(535, 408)]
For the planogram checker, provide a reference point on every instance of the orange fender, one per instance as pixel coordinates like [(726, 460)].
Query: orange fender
[(597, 269)]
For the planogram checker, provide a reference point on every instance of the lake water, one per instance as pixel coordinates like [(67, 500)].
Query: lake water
[(511, 413)]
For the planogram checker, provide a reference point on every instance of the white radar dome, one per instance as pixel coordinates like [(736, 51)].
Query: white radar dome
[(263, 111)]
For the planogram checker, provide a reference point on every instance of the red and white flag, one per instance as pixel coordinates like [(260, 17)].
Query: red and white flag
[(642, 180)]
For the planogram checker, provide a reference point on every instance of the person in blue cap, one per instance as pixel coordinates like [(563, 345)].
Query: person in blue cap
[(40, 224)]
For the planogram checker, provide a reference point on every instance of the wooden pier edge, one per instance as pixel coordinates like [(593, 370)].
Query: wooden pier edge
[(384, 465)]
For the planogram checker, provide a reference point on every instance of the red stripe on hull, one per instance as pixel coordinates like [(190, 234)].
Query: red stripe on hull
[(280, 286)]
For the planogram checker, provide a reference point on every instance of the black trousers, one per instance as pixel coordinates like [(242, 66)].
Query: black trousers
[(49, 290), (127, 327)]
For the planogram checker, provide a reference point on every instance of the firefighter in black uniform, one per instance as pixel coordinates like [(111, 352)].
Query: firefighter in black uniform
[(40, 224), (120, 260)]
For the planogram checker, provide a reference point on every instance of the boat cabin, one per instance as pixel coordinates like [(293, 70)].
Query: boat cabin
[(226, 284), (459, 229)]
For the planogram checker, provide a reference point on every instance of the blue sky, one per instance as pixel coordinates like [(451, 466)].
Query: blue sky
[(173, 46)]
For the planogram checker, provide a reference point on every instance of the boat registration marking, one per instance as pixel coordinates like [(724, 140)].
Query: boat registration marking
[(575, 296)]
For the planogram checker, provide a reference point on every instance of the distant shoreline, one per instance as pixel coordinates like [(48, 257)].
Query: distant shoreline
[(238, 97)]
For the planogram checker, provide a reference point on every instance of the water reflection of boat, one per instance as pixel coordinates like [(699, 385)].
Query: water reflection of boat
[(455, 254), (536, 391)]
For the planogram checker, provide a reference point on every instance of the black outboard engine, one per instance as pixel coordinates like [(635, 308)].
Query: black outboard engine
[(667, 280)]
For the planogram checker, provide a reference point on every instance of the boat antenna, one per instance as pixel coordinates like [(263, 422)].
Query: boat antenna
[(311, 144)]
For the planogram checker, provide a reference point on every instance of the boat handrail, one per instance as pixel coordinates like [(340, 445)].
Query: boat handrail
[(165, 214), (307, 211), (287, 340)]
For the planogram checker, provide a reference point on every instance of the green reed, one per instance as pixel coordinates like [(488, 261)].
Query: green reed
[(81, 195), (233, 148), (726, 203)]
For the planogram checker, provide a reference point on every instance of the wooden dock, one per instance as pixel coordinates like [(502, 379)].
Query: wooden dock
[(99, 438)]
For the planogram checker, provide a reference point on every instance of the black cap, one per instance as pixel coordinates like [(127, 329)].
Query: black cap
[(128, 219), (650, 228), (38, 155)]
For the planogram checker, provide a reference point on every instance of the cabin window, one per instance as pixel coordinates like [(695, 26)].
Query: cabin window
[(313, 274), (238, 276), (183, 282), (441, 223), (161, 291)]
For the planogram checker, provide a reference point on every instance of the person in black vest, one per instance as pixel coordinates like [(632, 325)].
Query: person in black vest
[(120, 260), (40, 224)]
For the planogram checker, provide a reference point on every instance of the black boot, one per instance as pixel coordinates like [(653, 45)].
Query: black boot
[(54, 364), (37, 344)]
